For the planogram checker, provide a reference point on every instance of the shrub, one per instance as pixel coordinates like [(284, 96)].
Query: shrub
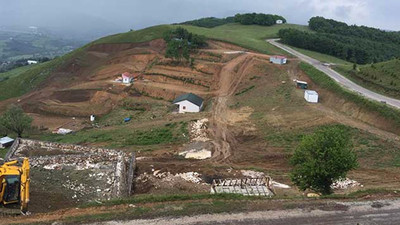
[(322, 158)]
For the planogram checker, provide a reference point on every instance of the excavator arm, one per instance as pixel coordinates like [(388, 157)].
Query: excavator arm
[(25, 185)]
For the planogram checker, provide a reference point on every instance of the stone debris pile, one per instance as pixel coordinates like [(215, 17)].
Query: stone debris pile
[(198, 148), (192, 177), (198, 130), (170, 181), (345, 183), (196, 154)]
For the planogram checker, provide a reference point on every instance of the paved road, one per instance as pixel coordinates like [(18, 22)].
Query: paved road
[(338, 77), (351, 213)]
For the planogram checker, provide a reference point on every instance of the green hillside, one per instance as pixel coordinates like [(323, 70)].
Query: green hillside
[(248, 36), (252, 37), (381, 77), (322, 57), (15, 72), (22, 80)]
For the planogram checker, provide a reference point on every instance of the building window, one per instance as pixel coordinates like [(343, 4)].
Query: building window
[(183, 107)]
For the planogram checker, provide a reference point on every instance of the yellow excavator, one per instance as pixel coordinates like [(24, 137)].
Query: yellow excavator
[(14, 183)]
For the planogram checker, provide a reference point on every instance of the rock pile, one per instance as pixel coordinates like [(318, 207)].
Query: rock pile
[(345, 184), (198, 130)]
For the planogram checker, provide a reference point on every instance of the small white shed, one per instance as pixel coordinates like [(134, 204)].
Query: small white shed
[(311, 96), (279, 21), (278, 59), (6, 142), (189, 103)]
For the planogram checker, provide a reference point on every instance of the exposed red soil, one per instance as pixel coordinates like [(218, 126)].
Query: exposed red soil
[(83, 85)]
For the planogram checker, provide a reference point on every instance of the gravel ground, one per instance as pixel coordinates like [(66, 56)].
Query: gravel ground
[(377, 212)]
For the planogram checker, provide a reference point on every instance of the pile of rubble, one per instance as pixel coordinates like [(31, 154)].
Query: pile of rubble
[(198, 148), (192, 177), (196, 154), (161, 182), (345, 184), (198, 130), (75, 162)]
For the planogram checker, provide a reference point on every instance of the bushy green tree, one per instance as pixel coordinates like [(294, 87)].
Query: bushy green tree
[(177, 49), (180, 42), (15, 120), (321, 158)]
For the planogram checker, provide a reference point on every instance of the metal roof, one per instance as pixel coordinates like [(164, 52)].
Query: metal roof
[(126, 74), (310, 92), (191, 98), (301, 82), (5, 140), (278, 56)]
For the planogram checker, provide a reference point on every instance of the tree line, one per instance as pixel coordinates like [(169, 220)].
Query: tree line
[(244, 19), (210, 22), (357, 44), (258, 19), (322, 25)]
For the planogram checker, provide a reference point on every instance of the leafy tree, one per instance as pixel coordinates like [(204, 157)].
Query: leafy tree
[(180, 42), (14, 119), (198, 41), (177, 49), (322, 158)]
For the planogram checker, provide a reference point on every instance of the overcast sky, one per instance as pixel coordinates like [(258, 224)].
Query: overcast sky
[(110, 16)]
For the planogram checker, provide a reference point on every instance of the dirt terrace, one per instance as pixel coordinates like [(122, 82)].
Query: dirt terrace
[(86, 85)]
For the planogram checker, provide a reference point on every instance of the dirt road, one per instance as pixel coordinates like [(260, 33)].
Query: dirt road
[(229, 78), (383, 212), (338, 77)]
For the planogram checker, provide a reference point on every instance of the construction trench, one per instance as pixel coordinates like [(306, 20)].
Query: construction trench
[(66, 175)]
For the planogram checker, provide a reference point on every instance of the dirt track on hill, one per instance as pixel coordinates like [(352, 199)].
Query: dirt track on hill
[(229, 79)]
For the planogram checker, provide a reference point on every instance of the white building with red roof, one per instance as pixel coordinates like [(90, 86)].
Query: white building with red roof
[(127, 78)]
